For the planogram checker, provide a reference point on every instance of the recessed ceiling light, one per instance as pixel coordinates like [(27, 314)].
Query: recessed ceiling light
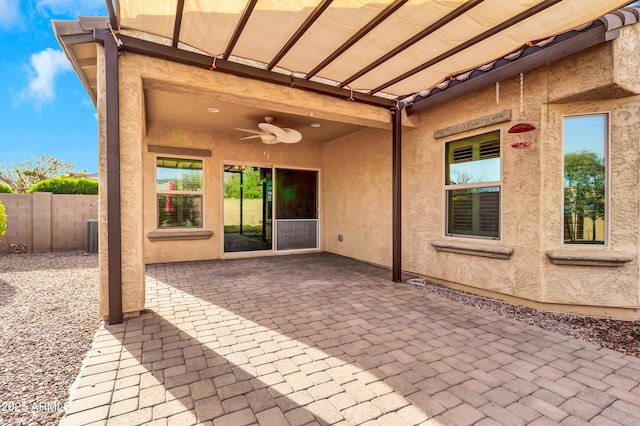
[(315, 124), (213, 110)]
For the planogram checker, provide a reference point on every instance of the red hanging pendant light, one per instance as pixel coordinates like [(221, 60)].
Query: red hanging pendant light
[(521, 127)]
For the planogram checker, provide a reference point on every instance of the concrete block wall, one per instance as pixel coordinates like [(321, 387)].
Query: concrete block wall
[(18, 208), (47, 222), (69, 215)]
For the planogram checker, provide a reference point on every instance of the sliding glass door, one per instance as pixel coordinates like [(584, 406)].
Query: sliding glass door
[(254, 195), (247, 208)]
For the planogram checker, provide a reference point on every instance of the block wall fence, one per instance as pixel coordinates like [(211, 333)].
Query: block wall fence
[(48, 222)]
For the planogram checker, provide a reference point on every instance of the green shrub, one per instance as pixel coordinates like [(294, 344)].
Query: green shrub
[(6, 189), (66, 185), (3, 220)]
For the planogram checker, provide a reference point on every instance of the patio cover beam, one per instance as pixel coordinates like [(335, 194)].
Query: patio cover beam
[(564, 45), (113, 19), (390, 10), (177, 25), (114, 231), (143, 47), (413, 40), (396, 121), (238, 31), (299, 33), (477, 39)]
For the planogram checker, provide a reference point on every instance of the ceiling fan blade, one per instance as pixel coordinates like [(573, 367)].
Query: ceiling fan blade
[(251, 137), (290, 136), (257, 132)]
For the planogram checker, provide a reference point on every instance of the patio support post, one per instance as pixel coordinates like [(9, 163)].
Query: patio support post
[(114, 235), (396, 122)]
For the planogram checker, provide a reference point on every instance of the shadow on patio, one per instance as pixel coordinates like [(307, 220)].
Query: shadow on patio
[(326, 339)]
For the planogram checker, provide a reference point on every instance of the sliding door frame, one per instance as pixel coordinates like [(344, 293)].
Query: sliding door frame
[(273, 251)]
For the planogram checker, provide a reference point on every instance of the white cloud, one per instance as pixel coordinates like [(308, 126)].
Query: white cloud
[(9, 13), (45, 67), (70, 7)]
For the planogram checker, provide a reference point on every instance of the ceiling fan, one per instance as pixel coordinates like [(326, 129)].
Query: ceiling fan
[(271, 134)]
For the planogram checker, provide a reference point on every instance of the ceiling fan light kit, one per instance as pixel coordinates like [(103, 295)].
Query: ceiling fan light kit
[(271, 134)]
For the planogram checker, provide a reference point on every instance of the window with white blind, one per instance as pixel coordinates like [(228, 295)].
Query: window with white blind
[(472, 186), (179, 192)]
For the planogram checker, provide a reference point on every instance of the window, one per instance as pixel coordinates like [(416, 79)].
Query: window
[(179, 192), (472, 186), (585, 144)]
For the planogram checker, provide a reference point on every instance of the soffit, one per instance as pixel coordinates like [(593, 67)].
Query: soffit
[(194, 113), (390, 49)]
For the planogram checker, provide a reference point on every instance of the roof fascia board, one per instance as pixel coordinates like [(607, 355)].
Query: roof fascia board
[(577, 43), (72, 39), (66, 41), (143, 47)]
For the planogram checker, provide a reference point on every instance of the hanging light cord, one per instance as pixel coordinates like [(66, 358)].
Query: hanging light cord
[(548, 97), (521, 96)]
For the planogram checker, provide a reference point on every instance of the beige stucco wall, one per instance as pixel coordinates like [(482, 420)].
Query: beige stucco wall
[(225, 148), (356, 183), (357, 192), (137, 166), (598, 286), (531, 222)]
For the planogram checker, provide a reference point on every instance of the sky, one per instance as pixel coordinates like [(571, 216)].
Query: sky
[(45, 109)]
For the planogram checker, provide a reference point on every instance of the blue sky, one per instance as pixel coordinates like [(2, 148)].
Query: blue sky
[(45, 109)]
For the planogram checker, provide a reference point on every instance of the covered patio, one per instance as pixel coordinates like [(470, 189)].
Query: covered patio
[(380, 93), (324, 339)]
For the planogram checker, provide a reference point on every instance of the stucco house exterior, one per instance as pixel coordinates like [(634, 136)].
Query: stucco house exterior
[(548, 217)]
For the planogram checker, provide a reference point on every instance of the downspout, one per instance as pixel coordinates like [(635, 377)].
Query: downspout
[(396, 123), (114, 237)]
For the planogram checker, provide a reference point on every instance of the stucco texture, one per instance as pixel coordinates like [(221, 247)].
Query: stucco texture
[(532, 185), (356, 180), (357, 193), (225, 149), (137, 164)]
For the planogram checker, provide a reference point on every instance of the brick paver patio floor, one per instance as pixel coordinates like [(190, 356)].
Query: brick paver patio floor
[(322, 339)]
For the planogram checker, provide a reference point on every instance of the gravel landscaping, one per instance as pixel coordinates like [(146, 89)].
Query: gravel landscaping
[(48, 317), (621, 336)]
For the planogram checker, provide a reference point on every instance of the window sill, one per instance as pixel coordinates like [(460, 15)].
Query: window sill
[(588, 258), (474, 249), (179, 235)]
